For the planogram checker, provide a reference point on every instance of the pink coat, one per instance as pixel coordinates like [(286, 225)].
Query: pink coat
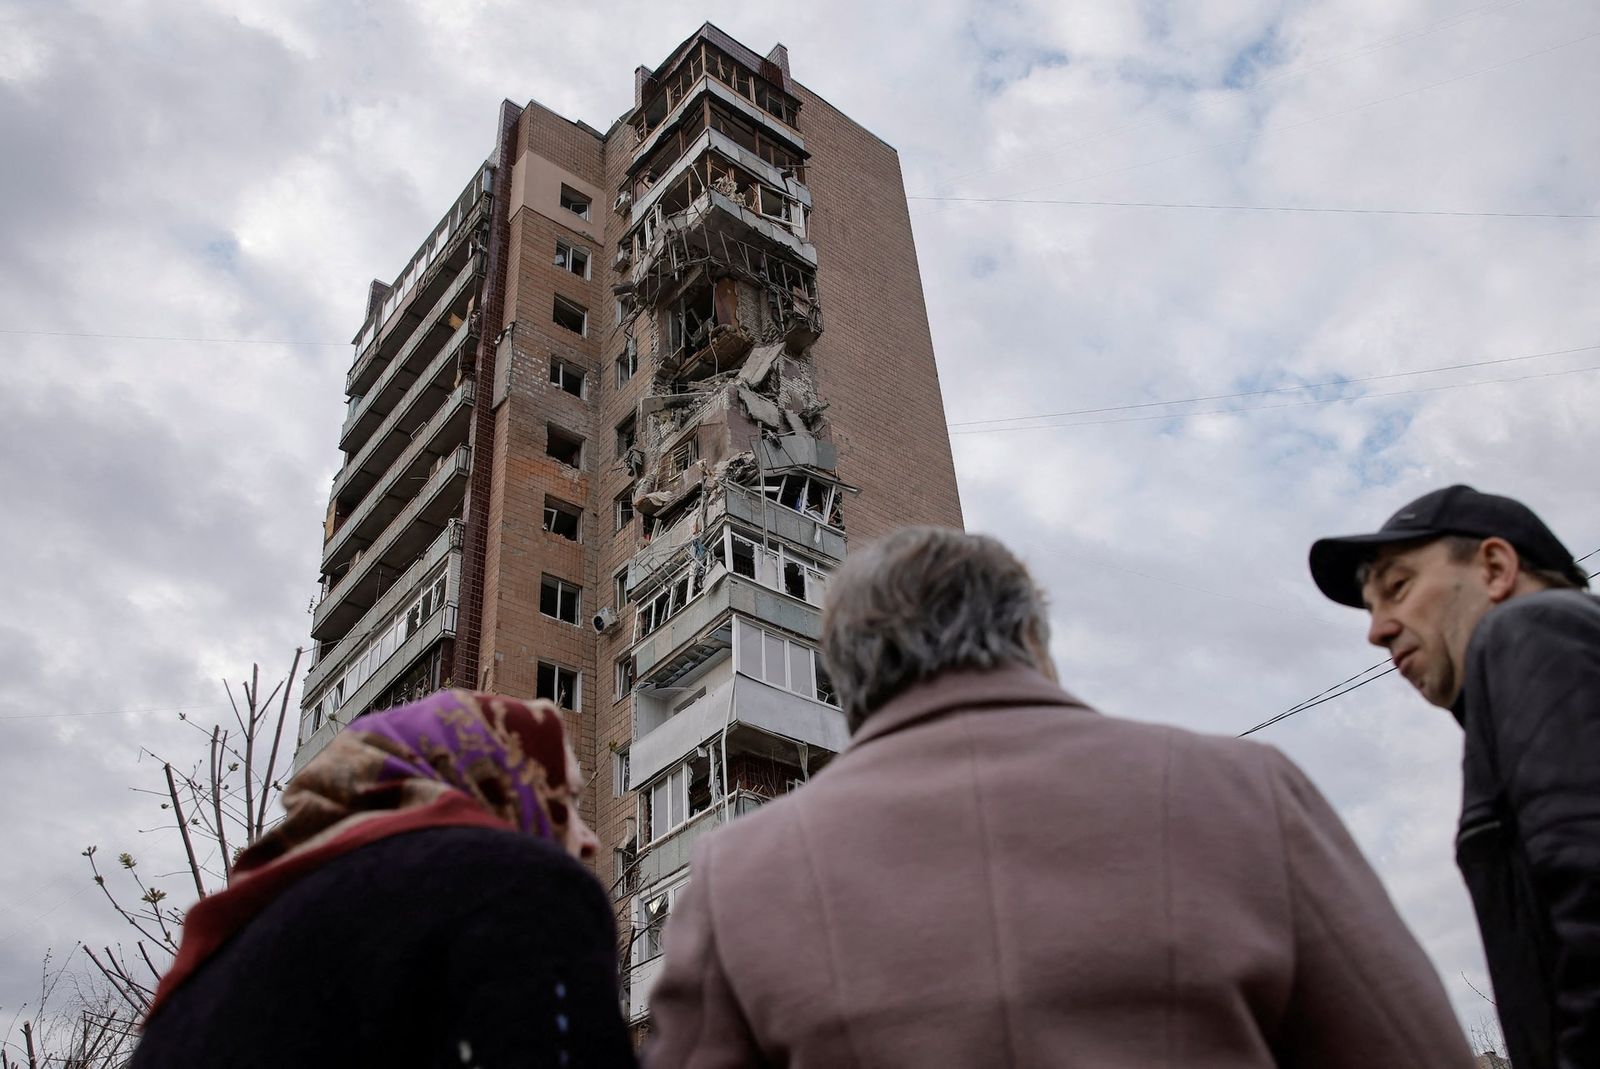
[(994, 874)]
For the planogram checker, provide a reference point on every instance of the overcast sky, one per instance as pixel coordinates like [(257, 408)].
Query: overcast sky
[(240, 171)]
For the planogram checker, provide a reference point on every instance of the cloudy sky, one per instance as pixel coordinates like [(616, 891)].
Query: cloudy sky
[(195, 195)]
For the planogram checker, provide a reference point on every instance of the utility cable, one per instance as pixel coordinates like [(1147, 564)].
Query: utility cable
[(1291, 404), (1275, 389), (163, 337), (1439, 213), (1335, 692)]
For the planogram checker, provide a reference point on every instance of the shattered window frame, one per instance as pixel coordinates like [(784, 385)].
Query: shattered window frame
[(627, 435), (570, 315), (560, 517), (560, 444), (627, 364), (559, 684)]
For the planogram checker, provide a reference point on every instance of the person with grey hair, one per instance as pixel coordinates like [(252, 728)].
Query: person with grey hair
[(992, 873)]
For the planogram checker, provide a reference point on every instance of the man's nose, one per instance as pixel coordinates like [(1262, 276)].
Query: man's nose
[(1382, 630), (588, 844)]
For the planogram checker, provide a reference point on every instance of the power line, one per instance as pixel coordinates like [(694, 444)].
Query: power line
[(1263, 208), (113, 712), (163, 337), (1335, 692), (1325, 696), (1276, 389), (1291, 404)]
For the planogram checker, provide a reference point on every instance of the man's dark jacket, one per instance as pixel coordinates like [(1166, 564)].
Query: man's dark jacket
[(1529, 842)]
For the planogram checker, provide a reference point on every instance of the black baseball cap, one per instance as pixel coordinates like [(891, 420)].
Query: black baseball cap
[(1455, 510)]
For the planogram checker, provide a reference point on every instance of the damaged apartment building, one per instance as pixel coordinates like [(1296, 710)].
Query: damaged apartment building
[(610, 432)]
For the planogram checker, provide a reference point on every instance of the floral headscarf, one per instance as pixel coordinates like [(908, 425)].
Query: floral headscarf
[(505, 754), (455, 758)]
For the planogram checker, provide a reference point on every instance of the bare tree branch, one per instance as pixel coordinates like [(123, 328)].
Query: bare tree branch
[(183, 829)]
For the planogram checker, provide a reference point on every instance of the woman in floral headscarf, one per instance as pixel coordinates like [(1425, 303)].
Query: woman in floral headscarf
[(420, 904)]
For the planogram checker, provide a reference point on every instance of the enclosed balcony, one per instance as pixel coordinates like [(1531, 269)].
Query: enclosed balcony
[(448, 326), (432, 270), (408, 534), (442, 434)]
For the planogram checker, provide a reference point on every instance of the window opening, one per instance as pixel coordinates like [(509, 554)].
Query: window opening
[(626, 676), (570, 315), (562, 519), (563, 446), (627, 363), (627, 435), (557, 684), (623, 507), (559, 599), (574, 202), (573, 258), (567, 376)]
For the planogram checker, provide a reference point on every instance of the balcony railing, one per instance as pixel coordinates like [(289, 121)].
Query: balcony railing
[(407, 535), (364, 415), (443, 431), (326, 668), (374, 341)]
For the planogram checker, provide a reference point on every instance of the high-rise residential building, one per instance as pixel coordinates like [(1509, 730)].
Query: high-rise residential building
[(611, 429)]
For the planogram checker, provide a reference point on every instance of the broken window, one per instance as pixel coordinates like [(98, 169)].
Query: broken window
[(773, 205), (679, 460), (803, 579), (625, 679), (619, 587), (559, 599), (816, 498), (619, 771), (568, 377), (562, 519), (627, 363), (743, 557), (570, 315), (825, 691), (574, 258), (682, 794), (690, 321), (557, 684), (574, 202), (780, 662), (563, 446), (627, 435), (622, 508)]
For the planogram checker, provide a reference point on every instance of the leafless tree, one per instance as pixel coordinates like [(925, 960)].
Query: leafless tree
[(218, 804), (91, 1032)]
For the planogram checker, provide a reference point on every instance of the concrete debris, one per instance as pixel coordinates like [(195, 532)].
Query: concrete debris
[(760, 364), (761, 410)]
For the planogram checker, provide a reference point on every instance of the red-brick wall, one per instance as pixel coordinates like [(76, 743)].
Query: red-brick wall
[(874, 361)]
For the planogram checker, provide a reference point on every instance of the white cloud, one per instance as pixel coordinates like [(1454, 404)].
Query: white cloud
[(242, 170)]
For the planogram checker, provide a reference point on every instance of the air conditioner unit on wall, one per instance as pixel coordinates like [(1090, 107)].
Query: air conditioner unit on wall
[(604, 620)]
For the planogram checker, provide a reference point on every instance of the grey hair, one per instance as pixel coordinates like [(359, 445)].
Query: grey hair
[(920, 602)]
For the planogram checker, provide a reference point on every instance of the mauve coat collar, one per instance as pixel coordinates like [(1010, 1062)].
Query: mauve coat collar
[(959, 690)]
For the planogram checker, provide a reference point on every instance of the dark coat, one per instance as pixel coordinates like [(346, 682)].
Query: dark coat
[(445, 947), (1529, 842), (992, 874)]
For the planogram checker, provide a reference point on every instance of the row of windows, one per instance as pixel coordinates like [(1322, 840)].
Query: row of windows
[(378, 648)]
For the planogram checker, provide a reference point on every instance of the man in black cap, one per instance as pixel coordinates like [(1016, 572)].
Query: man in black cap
[(1483, 610)]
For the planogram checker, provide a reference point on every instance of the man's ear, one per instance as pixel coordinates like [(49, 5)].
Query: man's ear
[(1501, 568)]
